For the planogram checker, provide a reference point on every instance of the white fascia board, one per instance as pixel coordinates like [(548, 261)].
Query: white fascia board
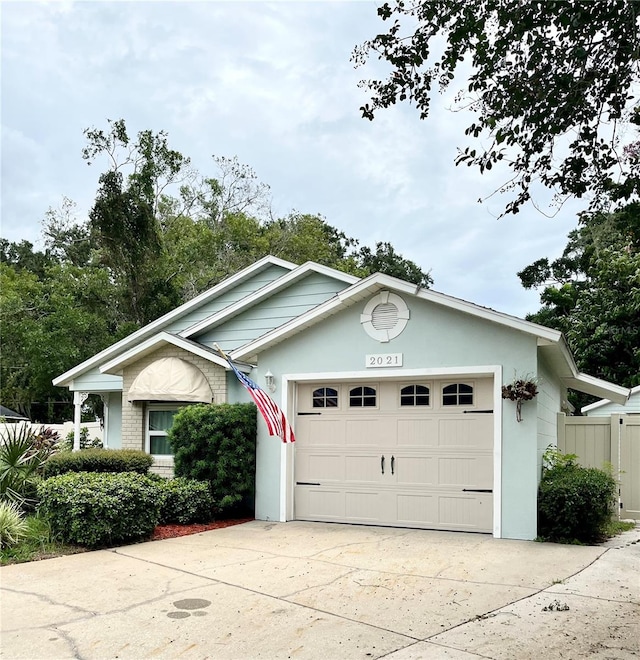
[(597, 387), (604, 402), (171, 316), (377, 281), (152, 344), (266, 291)]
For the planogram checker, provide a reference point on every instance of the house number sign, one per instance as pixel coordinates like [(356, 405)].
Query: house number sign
[(383, 360)]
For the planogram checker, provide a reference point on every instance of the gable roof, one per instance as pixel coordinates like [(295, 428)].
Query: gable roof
[(286, 280), (604, 402), (152, 344), (156, 326), (551, 341)]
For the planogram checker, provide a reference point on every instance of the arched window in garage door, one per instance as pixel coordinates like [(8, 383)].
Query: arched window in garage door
[(362, 397), (414, 395), (457, 394), (325, 397)]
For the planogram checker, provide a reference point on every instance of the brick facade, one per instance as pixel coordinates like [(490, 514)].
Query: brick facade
[(133, 414)]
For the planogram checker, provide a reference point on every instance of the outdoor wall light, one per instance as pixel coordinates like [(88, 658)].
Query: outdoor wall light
[(270, 381)]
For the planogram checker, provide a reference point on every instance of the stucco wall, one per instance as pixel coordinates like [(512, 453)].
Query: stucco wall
[(435, 337), (133, 414), (548, 404)]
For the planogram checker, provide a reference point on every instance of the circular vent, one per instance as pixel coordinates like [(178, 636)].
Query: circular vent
[(385, 316)]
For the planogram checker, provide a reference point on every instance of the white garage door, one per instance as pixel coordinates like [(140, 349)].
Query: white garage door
[(409, 454)]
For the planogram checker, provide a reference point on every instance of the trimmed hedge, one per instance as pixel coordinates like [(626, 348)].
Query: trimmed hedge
[(98, 460), (574, 503), (184, 501), (93, 509), (217, 443)]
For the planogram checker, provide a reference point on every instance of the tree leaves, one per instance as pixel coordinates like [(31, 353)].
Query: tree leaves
[(551, 80)]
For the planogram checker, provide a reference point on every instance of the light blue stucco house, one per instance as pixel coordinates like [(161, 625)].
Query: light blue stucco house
[(393, 391)]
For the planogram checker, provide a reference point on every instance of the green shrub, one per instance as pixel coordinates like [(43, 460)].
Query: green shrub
[(217, 443), (574, 503), (184, 501), (13, 527), (99, 460), (85, 441), (94, 509), (21, 463)]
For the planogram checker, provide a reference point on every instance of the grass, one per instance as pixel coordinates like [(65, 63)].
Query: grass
[(616, 527), (37, 544)]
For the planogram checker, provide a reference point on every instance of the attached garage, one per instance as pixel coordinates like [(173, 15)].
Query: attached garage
[(415, 453)]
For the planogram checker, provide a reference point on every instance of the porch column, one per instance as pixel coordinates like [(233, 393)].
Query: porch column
[(78, 399)]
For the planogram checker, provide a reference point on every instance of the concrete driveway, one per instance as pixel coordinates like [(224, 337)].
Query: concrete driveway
[(307, 590)]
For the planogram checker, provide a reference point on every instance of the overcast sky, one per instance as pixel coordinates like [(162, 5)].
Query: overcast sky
[(270, 83)]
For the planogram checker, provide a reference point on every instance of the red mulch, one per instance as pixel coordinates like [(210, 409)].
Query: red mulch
[(172, 531)]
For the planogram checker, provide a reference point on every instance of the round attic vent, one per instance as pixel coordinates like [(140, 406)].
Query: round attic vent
[(385, 316)]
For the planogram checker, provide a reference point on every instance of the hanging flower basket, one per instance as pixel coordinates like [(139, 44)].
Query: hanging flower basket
[(521, 389)]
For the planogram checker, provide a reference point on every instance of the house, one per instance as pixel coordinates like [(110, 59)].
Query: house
[(605, 407), (394, 393)]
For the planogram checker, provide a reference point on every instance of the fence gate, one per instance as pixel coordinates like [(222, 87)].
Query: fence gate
[(600, 440)]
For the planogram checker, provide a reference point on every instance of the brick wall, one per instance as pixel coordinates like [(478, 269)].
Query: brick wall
[(133, 414)]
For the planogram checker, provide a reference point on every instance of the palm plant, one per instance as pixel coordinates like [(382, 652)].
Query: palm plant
[(20, 465)]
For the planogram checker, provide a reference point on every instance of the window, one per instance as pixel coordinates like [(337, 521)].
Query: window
[(325, 397), (414, 395), (362, 397), (160, 420), (458, 394)]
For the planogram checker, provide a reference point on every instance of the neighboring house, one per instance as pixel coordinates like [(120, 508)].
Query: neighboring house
[(10, 416), (394, 393), (605, 407)]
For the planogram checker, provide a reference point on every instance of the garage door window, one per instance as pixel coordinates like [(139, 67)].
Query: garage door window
[(414, 395), (325, 397), (362, 397), (457, 394)]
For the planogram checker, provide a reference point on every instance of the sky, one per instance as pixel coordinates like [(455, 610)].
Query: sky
[(272, 84)]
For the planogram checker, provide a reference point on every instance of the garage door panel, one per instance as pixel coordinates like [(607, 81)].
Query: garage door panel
[(319, 503), (319, 431), (412, 469), (416, 508), (466, 431), (465, 471), (363, 505), (368, 431), (466, 512), (362, 468), (421, 432), (320, 467)]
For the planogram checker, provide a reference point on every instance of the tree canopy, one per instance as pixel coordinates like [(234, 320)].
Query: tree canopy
[(550, 86), (157, 235), (592, 294)]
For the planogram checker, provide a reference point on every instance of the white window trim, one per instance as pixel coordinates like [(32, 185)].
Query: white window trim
[(165, 459)]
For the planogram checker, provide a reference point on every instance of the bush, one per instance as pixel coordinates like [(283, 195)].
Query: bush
[(98, 460), (184, 501), (85, 442), (21, 464), (96, 510), (574, 503), (13, 527), (217, 443)]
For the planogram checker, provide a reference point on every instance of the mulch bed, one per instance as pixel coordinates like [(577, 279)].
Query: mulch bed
[(172, 531)]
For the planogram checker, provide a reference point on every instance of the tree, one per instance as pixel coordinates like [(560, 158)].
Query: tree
[(592, 294), (550, 86), (386, 260)]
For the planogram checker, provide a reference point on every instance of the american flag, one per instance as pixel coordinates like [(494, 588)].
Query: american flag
[(273, 416)]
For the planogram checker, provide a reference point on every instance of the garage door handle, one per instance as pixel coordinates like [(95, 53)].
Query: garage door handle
[(382, 464), (477, 490), (393, 462), (307, 483)]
